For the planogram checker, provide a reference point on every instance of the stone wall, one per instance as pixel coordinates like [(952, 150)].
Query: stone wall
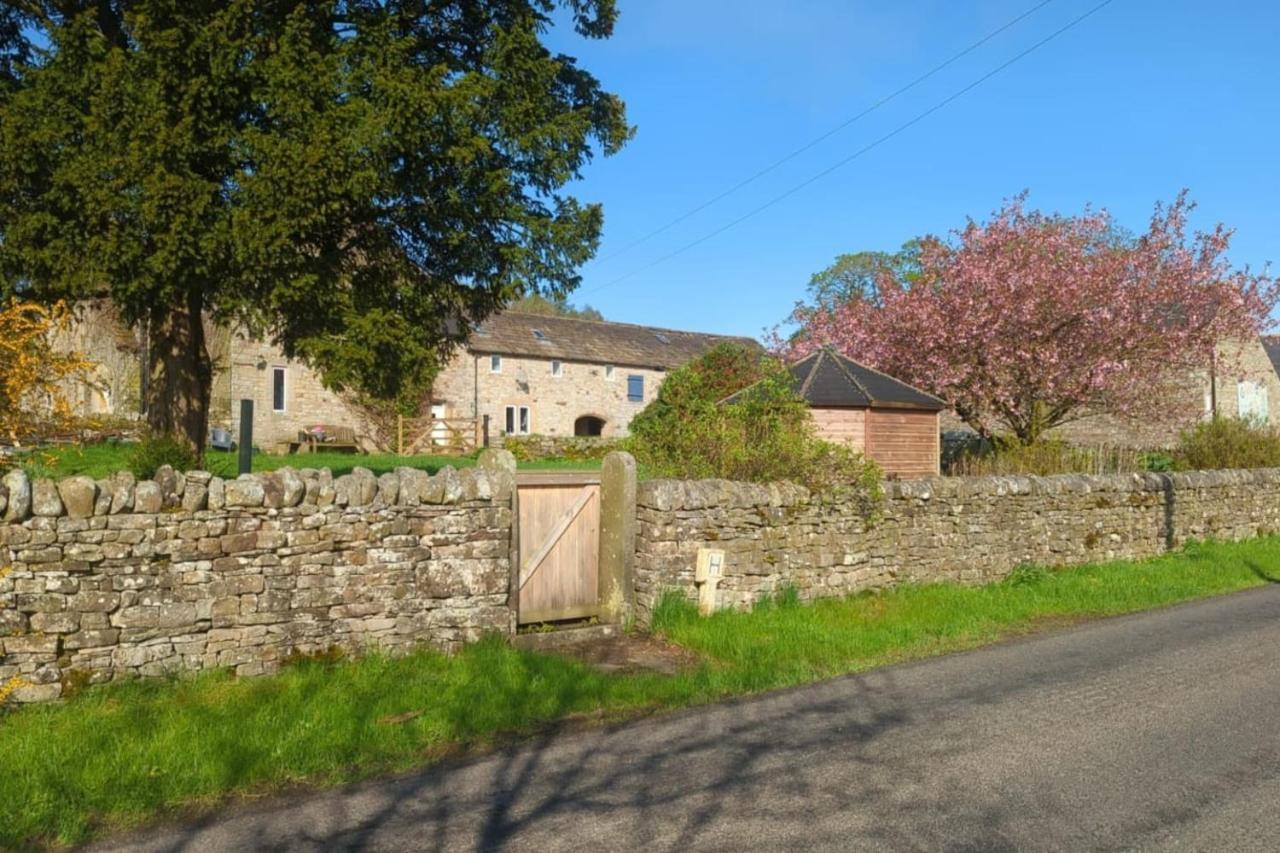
[(110, 579), (955, 529)]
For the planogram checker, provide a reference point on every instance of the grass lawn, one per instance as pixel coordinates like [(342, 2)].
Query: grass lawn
[(118, 755), (103, 460)]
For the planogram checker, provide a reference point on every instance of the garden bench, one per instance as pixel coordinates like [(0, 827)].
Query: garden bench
[(324, 437)]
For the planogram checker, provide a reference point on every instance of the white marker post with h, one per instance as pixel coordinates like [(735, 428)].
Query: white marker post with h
[(707, 574)]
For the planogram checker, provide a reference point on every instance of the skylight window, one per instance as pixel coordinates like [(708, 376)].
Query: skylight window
[(662, 338), (539, 334)]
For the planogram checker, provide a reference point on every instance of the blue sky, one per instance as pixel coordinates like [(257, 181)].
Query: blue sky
[(1143, 98)]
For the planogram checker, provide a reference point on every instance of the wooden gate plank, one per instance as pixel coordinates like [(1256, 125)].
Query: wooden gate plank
[(553, 536)]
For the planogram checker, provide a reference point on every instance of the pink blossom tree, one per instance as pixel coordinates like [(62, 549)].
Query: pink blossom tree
[(1030, 320)]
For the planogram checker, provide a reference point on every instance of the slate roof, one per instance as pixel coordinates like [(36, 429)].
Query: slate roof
[(826, 378), (1271, 343), (597, 341)]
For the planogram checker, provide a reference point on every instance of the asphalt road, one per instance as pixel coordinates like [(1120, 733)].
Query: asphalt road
[(1157, 731)]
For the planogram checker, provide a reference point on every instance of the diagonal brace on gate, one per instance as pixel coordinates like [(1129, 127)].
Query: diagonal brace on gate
[(562, 524)]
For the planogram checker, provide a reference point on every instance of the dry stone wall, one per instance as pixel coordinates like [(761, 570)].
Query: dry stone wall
[(955, 529), (115, 578)]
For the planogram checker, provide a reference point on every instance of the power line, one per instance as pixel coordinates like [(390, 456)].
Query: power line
[(830, 133), (855, 155)]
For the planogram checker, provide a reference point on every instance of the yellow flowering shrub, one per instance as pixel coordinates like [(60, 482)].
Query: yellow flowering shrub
[(32, 398)]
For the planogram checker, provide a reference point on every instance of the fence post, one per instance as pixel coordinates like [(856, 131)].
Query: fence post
[(246, 437), (617, 537)]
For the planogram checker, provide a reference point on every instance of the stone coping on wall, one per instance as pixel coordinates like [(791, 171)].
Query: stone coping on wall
[(195, 491), (704, 494)]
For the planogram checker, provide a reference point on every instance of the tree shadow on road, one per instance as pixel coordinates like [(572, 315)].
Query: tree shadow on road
[(808, 762), (1260, 572)]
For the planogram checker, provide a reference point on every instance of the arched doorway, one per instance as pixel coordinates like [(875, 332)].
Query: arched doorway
[(588, 425)]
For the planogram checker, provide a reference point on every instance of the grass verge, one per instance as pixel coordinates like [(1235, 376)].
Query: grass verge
[(119, 755)]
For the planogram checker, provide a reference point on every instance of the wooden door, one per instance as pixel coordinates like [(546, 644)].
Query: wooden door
[(559, 532)]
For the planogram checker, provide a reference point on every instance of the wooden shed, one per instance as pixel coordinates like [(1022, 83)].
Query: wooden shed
[(886, 419)]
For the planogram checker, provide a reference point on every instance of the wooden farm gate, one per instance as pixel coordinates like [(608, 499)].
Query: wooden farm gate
[(438, 434), (559, 545)]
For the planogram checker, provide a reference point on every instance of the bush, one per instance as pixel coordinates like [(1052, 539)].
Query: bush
[(156, 450), (535, 448), (764, 435), (33, 374), (976, 458), (1228, 443)]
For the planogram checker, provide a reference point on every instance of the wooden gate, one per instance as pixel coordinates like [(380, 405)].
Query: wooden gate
[(559, 532), (435, 434)]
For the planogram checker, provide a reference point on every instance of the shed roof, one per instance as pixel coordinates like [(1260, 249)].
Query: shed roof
[(827, 378), (573, 339)]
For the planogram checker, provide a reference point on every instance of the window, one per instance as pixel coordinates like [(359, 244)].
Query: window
[(635, 388), (495, 364), (1251, 401), (539, 334), (557, 369), (662, 339), (608, 372), (277, 389), (517, 420)]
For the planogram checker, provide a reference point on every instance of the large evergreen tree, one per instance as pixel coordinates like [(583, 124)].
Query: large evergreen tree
[(360, 181)]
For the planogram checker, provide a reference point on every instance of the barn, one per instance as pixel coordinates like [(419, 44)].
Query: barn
[(886, 419)]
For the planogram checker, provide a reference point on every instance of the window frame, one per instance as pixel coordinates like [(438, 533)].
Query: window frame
[(1254, 393), (517, 420), (609, 373), (282, 372), (495, 363), (557, 368)]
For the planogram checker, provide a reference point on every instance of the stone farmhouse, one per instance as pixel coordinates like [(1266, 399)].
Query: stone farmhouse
[(526, 374), (531, 374)]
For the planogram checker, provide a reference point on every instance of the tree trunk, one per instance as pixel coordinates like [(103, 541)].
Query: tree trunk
[(181, 375)]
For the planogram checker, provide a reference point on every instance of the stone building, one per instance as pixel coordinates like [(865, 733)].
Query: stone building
[(528, 374), (1241, 380), (531, 374)]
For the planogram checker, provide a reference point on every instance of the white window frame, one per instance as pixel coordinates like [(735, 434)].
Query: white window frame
[(517, 420), (1251, 400), (557, 368), (608, 373), (495, 364), (283, 372)]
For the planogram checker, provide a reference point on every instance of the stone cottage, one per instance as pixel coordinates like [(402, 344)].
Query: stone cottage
[(1241, 380), (560, 376), (528, 374)]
